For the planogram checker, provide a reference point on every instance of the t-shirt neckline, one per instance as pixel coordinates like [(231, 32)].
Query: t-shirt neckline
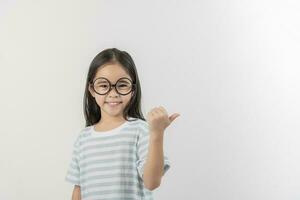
[(109, 132)]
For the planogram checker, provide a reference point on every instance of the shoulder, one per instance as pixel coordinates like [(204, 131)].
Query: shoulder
[(82, 134), (138, 122), (140, 125), (85, 131)]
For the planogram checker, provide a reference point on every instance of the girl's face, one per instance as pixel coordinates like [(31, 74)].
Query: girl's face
[(113, 72)]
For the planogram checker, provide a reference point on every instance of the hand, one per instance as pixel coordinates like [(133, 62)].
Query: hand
[(159, 120)]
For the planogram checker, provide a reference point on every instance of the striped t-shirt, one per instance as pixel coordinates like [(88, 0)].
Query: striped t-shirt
[(109, 165)]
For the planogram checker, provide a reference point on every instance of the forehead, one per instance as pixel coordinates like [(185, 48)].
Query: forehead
[(112, 72)]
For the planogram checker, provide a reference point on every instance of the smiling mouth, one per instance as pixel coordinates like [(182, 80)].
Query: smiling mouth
[(113, 103)]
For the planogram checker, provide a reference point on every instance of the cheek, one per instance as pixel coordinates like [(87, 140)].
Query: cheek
[(127, 99), (100, 100)]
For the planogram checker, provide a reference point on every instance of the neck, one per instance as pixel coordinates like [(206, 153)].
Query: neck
[(105, 119)]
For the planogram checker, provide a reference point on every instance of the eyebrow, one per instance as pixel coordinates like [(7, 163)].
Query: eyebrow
[(109, 80), (102, 82)]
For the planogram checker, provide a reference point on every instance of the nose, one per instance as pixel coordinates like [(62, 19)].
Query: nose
[(113, 88)]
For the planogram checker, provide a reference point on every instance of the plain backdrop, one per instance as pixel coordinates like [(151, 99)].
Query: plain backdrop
[(230, 68)]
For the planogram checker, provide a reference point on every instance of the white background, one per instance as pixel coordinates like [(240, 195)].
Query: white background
[(230, 68)]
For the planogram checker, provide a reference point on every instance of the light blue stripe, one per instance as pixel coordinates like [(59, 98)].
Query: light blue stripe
[(74, 181), (74, 167), (110, 137), (119, 191), (111, 152), (109, 160), (113, 144), (111, 183), (108, 168), (108, 176)]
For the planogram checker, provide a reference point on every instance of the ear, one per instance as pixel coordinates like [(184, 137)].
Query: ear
[(91, 90)]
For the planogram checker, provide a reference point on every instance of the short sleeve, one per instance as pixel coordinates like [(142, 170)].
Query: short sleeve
[(142, 150), (73, 172)]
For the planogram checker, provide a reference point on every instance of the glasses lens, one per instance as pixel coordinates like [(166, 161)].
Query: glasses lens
[(123, 86), (101, 86)]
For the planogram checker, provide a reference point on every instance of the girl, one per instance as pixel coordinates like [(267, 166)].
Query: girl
[(118, 155)]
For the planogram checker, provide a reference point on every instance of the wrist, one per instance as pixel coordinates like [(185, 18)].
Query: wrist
[(156, 135)]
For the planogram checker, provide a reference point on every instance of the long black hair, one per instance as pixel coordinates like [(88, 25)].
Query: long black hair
[(92, 111)]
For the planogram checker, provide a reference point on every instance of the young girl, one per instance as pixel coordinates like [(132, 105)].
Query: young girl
[(118, 155)]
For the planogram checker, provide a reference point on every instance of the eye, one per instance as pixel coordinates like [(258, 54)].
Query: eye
[(104, 86)]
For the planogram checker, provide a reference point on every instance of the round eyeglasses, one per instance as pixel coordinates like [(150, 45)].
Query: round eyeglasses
[(103, 86)]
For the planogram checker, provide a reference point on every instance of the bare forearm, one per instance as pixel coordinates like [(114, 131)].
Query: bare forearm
[(153, 170), (76, 195)]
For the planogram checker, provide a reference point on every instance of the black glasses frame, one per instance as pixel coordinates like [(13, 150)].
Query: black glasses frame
[(113, 85)]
